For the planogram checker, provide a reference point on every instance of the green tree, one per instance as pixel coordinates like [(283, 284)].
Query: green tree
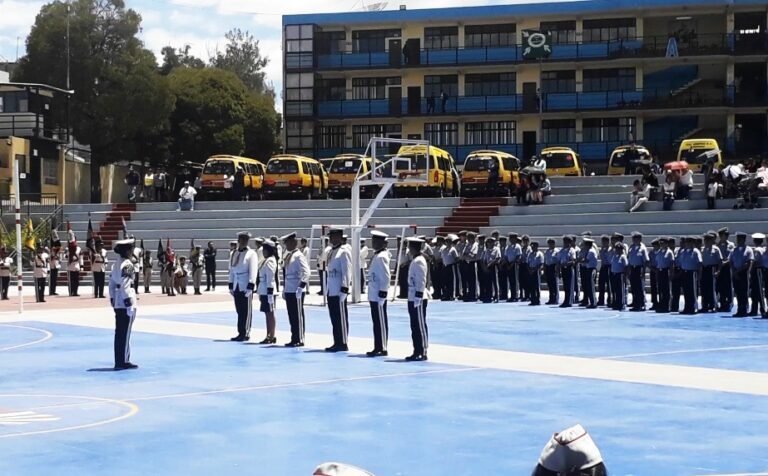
[(242, 56), (262, 127), (179, 58), (120, 100)]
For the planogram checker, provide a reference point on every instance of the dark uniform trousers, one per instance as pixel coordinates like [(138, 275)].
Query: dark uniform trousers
[(756, 291), (5, 283), (677, 284), (419, 331), (690, 291), (524, 277), (550, 275), (725, 288), (604, 285), (663, 284), (588, 285), (54, 279), (210, 275), (437, 280), (402, 282), (295, 307), (98, 284), (654, 287), (708, 289), (380, 325), (765, 291), (494, 282), (123, 324), (568, 279), (451, 279), (503, 281), (513, 277), (136, 277), (741, 289), (484, 280), (470, 293), (337, 309), (575, 285), (637, 285), (244, 308), (618, 291), (40, 289), (534, 286), (74, 282)]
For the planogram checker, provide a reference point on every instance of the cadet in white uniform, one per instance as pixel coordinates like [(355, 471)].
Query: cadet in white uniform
[(418, 294), (243, 268), (74, 265), (181, 275), (322, 265), (123, 299), (138, 261), (99, 268), (5, 273), (379, 275), (295, 286), (147, 271), (55, 263), (451, 278), (196, 258), (363, 264), (339, 282), (40, 273), (266, 284)]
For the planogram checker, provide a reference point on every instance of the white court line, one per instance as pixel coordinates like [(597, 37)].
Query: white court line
[(735, 474), (688, 351), (47, 335)]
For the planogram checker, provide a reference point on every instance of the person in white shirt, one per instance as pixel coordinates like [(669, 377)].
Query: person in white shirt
[(451, 278), (99, 268), (418, 294), (685, 184), (303, 246), (74, 265), (295, 285), (363, 264), (186, 197), (337, 289), (5, 273), (379, 275), (243, 271), (181, 276), (266, 285), (322, 265), (196, 261), (640, 195), (122, 296), (146, 267), (138, 265), (40, 273), (55, 262)]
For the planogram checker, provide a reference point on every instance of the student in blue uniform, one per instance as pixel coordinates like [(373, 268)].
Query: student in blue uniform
[(652, 273), (122, 296), (690, 264), (471, 256), (756, 276), (525, 247), (619, 269), (513, 253), (724, 279), (588, 270), (535, 262), (550, 271), (503, 270), (638, 260), (676, 279), (243, 274), (379, 275), (742, 260), (665, 260), (711, 261), (566, 264), (604, 278)]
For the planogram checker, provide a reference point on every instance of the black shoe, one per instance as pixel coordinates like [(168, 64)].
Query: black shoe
[(269, 340), (207, 289), (752, 314), (416, 358), (126, 366), (337, 348), (739, 315), (564, 305), (294, 344), (592, 307), (198, 293), (238, 339), (377, 353)]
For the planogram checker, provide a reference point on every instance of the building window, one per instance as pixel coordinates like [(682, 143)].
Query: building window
[(372, 41), (372, 88), (331, 89), (558, 131), (299, 135), (481, 36), (441, 37), (563, 32), (362, 134), (434, 85), (332, 137), (617, 79), (490, 84), (298, 46), (50, 171), (299, 94), (558, 81), (611, 129), (489, 133), (442, 133), (610, 29), (329, 42)]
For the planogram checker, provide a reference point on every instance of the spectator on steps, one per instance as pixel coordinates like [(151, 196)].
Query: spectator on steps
[(714, 188), (132, 179), (685, 184), (238, 186), (640, 195), (149, 185), (669, 187), (160, 184), (186, 198)]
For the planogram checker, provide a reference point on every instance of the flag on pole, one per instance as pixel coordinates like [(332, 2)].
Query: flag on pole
[(29, 235), (169, 253), (160, 251), (89, 237)]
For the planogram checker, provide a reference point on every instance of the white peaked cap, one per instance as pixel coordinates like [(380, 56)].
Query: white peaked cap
[(339, 469), (378, 234), (758, 236), (570, 450)]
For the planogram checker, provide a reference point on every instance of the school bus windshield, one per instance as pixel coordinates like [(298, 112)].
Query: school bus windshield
[(345, 166), (478, 164), (619, 159), (420, 163), (219, 167), (278, 166), (694, 156), (558, 160)]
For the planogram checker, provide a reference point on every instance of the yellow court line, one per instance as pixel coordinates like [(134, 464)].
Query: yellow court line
[(47, 336)]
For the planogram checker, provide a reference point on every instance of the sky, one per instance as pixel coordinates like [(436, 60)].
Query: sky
[(201, 24)]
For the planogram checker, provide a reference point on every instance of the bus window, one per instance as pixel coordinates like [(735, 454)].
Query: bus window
[(219, 167), (282, 166)]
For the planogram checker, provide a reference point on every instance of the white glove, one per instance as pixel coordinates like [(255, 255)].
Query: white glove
[(299, 292), (342, 296), (417, 302), (248, 293), (271, 299), (131, 312)]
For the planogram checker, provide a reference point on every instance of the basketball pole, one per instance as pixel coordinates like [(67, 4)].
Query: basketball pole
[(19, 261)]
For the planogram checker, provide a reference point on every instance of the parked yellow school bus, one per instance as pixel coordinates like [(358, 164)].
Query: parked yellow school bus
[(694, 151), (295, 176), (219, 168), (474, 176), (442, 172), (342, 173), (620, 155), (562, 161)]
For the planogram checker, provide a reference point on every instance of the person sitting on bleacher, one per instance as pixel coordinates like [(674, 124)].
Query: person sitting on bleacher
[(684, 184), (668, 188), (640, 195)]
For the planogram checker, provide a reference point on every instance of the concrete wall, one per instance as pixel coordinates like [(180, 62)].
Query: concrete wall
[(113, 188), (76, 183), (9, 148)]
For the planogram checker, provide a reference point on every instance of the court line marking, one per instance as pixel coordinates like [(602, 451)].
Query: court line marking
[(735, 474), (47, 336), (686, 351), (133, 409)]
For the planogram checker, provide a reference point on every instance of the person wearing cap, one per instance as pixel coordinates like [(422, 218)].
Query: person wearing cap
[(162, 259), (146, 267), (711, 261), (451, 277), (665, 261), (550, 271), (364, 251), (186, 197), (535, 263), (471, 257), (588, 270), (566, 262), (513, 255), (122, 297), (55, 263), (460, 246), (724, 279), (571, 452), (322, 264), (638, 260), (756, 276), (181, 275), (295, 286), (742, 259), (676, 276), (379, 276), (266, 285), (652, 275), (169, 270), (525, 250), (339, 283), (40, 272), (99, 268), (196, 260), (138, 261), (619, 272), (74, 265), (604, 276), (690, 265), (243, 272), (489, 260), (304, 248), (5, 272), (503, 270), (418, 295), (436, 269), (209, 257)]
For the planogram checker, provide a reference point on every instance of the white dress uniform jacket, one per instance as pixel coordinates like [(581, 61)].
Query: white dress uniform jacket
[(339, 270), (121, 285), (364, 257), (138, 263), (55, 262), (99, 264), (296, 272), (379, 275), (41, 266), (417, 279), (322, 260), (267, 272), (5, 267), (243, 269), (77, 263)]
